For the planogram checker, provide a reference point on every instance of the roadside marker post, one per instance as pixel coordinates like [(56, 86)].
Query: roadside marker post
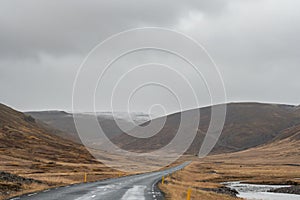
[(85, 177), (163, 180), (188, 194)]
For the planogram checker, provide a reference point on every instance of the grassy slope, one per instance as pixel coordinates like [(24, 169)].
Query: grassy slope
[(28, 150), (274, 163)]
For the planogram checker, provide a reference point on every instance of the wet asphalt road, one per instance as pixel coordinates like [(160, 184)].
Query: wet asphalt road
[(137, 187)]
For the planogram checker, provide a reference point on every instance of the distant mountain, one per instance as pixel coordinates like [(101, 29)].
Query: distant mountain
[(64, 121), (137, 117), (247, 125)]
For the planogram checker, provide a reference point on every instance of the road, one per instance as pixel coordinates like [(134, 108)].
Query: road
[(136, 187)]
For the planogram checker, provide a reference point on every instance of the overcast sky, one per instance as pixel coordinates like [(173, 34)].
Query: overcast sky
[(255, 44)]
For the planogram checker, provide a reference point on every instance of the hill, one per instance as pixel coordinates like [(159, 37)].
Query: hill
[(275, 163), (22, 137), (284, 149), (247, 125), (32, 158)]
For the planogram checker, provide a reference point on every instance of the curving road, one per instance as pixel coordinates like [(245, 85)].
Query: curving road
[(137, 187)]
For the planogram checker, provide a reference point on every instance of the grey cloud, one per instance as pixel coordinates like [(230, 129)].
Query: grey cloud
[(254, 42), (64, 27)]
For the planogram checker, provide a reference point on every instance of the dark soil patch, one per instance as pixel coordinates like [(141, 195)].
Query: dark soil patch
[(6, 188), (279, 182), (289, 190), (8, 177), (222, 190)]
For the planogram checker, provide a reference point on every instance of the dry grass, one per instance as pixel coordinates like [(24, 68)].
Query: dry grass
[(277, 163), (177, 184), (179, 192), (203, 174), (54, 174)]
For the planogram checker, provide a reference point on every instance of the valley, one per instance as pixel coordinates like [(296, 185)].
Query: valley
[(260, 144)]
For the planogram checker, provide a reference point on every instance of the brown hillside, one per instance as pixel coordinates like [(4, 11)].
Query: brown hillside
[(247, 125), (33, 159), (285, 149), (274, 163), (21, 137)]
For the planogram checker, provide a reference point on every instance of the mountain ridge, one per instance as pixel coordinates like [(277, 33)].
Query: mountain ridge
[(247, 125)]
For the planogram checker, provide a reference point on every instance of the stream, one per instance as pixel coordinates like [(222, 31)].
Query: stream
[(260, 192)]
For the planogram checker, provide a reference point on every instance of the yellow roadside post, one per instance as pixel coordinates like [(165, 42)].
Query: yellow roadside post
[(85, 177), (188, 194), (163, 180)]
